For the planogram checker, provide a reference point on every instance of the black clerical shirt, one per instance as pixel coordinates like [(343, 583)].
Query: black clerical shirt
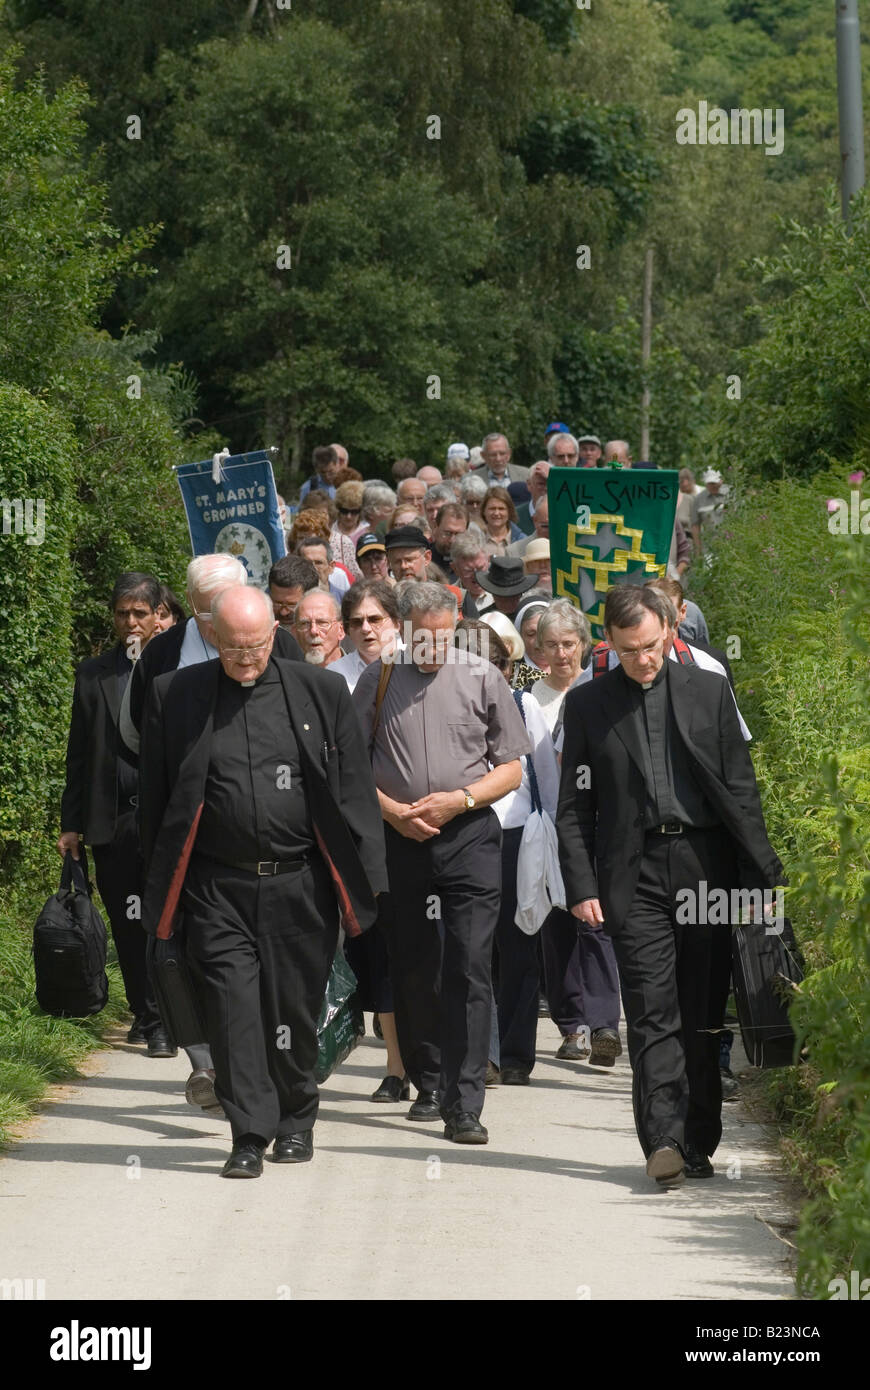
[(672, 792), (255, 806)]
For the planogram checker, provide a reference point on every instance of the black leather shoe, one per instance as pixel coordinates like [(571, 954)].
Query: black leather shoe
[(137, 1032), (462, 1127), (159, 1044), (294, 1148), (199, 1090), (391, 1090), (425, 1107), (245, 1161), (666, 1164), (606, 1047), (698, 1165), (514, 1076)]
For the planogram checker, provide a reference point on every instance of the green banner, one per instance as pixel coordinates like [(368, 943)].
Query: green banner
[(608, 526)]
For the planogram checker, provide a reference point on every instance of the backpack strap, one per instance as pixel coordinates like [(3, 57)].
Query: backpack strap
[(534, 790), (383, 682), (684, 655), (600, 659)]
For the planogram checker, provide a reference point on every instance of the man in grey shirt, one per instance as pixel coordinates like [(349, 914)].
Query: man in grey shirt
[(447, 743)]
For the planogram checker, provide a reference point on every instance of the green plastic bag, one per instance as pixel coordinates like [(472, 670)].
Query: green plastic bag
[(340, 1025)]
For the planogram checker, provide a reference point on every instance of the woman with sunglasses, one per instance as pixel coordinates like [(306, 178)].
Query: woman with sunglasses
[(348, 526)]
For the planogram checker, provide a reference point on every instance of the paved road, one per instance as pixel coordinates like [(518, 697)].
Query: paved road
[(556, 1207)]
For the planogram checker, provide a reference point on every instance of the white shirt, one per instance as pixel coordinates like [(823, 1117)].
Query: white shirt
[(195, 648), (514, 809), (702, 659), (550, 701), (351, 667)]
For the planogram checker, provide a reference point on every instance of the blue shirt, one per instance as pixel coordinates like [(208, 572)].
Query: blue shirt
[(319, 485)]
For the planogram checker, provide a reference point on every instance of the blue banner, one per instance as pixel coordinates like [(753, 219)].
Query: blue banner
[(237, 515)]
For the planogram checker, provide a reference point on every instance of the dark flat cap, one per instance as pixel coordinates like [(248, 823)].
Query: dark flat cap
[(406, 537), (506, 576)]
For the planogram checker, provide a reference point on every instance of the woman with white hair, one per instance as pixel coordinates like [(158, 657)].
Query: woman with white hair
[(472, 490), (579, 962), (564, 638)]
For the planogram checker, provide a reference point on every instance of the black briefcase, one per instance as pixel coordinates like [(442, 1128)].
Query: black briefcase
[(765, 968), (69, 947), (175, 991)]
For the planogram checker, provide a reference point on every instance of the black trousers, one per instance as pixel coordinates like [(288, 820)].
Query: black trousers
[(519, 974), (118, 873), (674, 977), (581, 974), (444, 1006), (260, 950)]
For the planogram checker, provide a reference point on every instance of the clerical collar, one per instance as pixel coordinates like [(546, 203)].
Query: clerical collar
[(656, 681), (267, 677)]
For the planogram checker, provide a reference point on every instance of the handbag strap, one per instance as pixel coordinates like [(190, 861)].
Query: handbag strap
[(534, 790), (74, 873), (383, 682)]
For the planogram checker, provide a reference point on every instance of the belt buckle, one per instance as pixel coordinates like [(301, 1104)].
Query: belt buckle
[(267, 868), (671, 828)]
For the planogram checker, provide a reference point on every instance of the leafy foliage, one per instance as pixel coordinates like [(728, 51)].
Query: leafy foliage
[(795, 595), (37, 453), (806, 379)]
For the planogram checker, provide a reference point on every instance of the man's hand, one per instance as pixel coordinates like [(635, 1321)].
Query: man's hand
[(69, 840), (589, 911), (404, 819), (438, 808)]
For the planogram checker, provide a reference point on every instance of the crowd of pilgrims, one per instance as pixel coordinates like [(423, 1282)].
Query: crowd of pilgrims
[(479, 525)]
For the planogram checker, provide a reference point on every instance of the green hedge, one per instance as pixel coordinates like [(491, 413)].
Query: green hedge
[(37, 461), (796, 596)]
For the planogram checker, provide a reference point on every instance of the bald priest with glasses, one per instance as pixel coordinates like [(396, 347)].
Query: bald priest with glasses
[(261, 830)]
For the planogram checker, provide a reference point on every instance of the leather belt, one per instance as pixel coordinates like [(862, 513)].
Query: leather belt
[(263, 868), (669, 827)]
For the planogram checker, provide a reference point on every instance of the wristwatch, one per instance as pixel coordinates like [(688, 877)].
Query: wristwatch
[(470, 802)]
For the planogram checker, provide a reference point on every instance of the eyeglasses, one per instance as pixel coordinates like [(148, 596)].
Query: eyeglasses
[(349, 511), (206, 615), (309, 624), (373, 619), (567, 647), (239, 653), (649, 650)]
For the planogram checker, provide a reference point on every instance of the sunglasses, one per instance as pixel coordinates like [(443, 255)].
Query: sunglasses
[(349, 511)]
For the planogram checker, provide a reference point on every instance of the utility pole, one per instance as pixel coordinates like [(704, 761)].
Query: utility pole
[(646, 344), (849, 101)]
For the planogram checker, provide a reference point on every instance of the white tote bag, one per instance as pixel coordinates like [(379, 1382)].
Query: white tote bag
[(539, 878)]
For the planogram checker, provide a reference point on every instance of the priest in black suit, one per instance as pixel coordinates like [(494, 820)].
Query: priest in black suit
[(658, 805), (260, 828), (188, 644)]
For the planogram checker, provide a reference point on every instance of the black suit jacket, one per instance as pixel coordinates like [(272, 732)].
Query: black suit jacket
[(163, 653), (176, 744), (90, 799), (600, 827)]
